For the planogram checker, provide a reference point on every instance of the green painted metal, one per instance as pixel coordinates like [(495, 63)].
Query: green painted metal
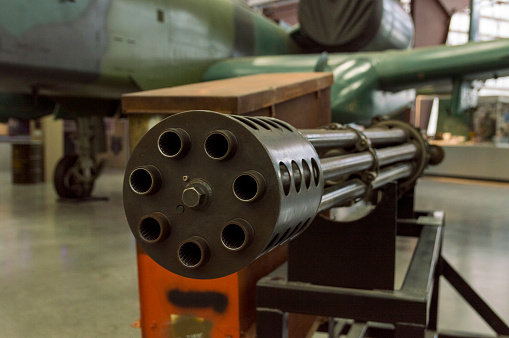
[(187, 38), (101, 49), (472, 60), (19, 16), (369, 84), (354, 93), (85, 54)]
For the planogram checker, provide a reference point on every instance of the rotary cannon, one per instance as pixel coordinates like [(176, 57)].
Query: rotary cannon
[(206, 193)]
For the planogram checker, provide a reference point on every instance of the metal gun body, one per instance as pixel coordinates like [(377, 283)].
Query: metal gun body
[(206, 193)]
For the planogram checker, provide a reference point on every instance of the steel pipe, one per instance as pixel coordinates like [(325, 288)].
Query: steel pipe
[(399, 153), (391, 174), (350, 190), (326, 139), (341, 193), (339, 166)]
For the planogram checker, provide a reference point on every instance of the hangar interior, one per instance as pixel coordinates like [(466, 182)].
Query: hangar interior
[(71, 266)]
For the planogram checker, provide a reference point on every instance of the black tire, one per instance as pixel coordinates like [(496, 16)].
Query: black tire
[(61, 171)]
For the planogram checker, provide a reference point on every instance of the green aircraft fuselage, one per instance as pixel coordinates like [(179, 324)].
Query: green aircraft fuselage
[(103, 48), (84, 54)]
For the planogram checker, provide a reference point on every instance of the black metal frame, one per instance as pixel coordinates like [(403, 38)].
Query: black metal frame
[(324, 276)]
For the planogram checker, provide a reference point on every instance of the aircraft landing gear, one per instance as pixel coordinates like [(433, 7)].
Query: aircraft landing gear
[(75, 175)]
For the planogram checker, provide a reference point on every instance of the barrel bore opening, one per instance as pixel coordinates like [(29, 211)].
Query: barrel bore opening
[(141, 181), (150, 229), (173, 143), (249, 186), (233, 236), (218, 146), (190, 255)]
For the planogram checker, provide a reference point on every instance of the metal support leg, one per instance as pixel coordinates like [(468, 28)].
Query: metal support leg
[(336, 327), (472, 298), (433, 308), (357, 330), (409, 330), (271, 323)]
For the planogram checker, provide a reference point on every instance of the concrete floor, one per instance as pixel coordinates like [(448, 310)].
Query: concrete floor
[(66, 270), (70, 269), (476, 244)]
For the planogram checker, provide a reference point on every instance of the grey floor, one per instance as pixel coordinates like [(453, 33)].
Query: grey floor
[(66, 270), (476, 243), (70, 269)]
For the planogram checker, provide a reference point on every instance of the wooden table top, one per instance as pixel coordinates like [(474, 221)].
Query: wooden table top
[(235, 96)]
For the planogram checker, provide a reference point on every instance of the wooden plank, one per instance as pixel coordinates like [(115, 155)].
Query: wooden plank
[(235, 96)]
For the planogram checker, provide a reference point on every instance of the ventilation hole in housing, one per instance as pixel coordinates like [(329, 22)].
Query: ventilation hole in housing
[(282, 124), (141, 181), (304, 225), (297, 176), (246, 122), (295, 230), (285, 178), (290, 231), (259, 122), (150, 229), (272, 123), (190, 254), (272, 242), (284, 237), (316, 171), (307, 174)]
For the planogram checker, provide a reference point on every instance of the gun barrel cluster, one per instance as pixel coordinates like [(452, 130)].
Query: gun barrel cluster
[(207, 193)]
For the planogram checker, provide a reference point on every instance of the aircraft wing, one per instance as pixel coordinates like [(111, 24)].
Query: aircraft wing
[(370, 84)]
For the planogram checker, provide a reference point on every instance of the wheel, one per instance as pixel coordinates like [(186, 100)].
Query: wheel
[(66, 181)]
